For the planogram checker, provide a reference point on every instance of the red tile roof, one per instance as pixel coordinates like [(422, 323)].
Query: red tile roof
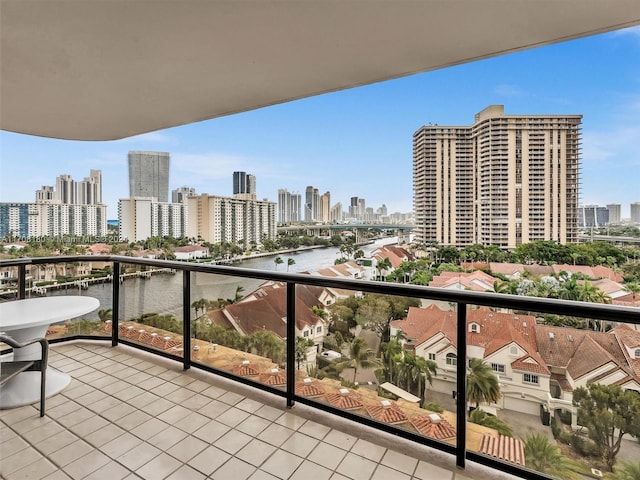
[(505, 448), (441, 430), (274, 377), (345, 399), (311, 389), (386, 411)]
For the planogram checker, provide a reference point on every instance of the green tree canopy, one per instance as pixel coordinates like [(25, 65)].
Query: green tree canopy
[(608, 412), (482, 383), (544, 457)]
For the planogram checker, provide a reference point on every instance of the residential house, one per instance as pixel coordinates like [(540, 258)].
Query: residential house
[(478, 281), (535, 364), (191, 252)]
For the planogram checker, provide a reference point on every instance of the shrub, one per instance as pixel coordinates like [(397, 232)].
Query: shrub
[(434, 407)]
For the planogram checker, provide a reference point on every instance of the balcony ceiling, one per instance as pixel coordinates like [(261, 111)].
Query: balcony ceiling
[(108, 69)]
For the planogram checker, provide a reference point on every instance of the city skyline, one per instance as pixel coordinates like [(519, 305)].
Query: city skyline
[(358, 142)]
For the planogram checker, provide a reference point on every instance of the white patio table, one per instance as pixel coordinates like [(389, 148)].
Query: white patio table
[(28, 319)]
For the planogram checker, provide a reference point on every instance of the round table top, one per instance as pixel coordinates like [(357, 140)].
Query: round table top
[(33, 312)]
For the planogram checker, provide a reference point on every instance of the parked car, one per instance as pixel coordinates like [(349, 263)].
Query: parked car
[(331, 354)]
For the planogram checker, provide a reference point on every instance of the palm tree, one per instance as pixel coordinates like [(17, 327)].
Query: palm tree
[(633, 288), (198, 305), (391, 352), (105, 314), (383, 265), (278, 260), (302, 345), (237, 296), (628, 471), (360, 357), (544, 457), (290, 261), (480, 417), (482, 383)]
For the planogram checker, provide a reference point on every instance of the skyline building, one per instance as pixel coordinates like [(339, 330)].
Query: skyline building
[(149, 175), (325, 208), (289, 206), (179, 195), (142, 217), (29, 220), (615, 212), (69, 192), (592, 216), (635, 212), (216, 219), (311, 204), (244, 185), (505, 180)]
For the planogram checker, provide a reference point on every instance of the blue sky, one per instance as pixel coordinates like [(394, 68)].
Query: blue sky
[(358, 142)]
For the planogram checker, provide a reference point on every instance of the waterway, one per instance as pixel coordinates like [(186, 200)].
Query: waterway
[(162, 293)]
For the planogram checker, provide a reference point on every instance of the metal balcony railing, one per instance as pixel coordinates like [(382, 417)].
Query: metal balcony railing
[(461, 299)]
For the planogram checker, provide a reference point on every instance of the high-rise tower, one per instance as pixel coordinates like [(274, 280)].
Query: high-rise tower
[(505, 180), (149, 175)]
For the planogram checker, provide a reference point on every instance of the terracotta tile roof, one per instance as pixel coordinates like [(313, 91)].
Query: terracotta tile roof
[(309, 388), (98, 248), (245, 369), (562, 381), (474, 265), (386, 411), (274, 377), (347, 270), (607, 286), (396, 255), (523, 365), (628, 339), (345, 399), (496, 331), (505, 448), (441, 430), (584, 269), (478, 280), (537, 270), (508, 269), (265, 309), (600, 271), (627, 300)]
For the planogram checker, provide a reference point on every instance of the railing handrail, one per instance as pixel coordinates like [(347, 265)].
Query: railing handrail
[(489, 299)]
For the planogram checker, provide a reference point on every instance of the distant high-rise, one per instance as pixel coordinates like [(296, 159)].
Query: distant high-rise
[(592, 216), (311, 204), (506, 180), (244, 185), (217, 219), (615, 212), (149, 175), (337, 215), (325, 208), (635, 212), (142, 217), (179, 195), (69, 192), (289, 205)]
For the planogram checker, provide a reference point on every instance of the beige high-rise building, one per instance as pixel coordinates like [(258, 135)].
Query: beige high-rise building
[(505, 180)]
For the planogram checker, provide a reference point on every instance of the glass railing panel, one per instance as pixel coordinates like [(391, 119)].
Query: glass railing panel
[(239, 325), (373, 362), (79, 278), (8, 283), (529, 374), (150, 307)]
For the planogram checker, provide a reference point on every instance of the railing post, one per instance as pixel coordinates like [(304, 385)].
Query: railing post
[(115, 304), (461, 386), (186, 320), (291, 343), (22, 282)]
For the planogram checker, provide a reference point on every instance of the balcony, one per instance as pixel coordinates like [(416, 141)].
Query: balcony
[(102, 362)]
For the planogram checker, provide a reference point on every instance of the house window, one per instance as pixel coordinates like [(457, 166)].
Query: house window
[(530, 378), (305, 333), (432, 356), (513, 350), (452, 359), (473, 327), (319, 330), (637, 352), (497, 367)]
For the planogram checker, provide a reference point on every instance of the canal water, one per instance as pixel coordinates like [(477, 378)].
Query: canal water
[(162, 293)]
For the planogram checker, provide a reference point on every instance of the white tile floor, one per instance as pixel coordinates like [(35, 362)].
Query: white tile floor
[(129, 415)]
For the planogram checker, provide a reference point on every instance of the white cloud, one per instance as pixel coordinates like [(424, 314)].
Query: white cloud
[(508, 90)]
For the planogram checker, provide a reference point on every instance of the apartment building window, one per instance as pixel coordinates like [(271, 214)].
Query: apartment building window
[(497, 367), (530, 378), (452, 359), (432, 356), (319, 330), (305, 333)]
